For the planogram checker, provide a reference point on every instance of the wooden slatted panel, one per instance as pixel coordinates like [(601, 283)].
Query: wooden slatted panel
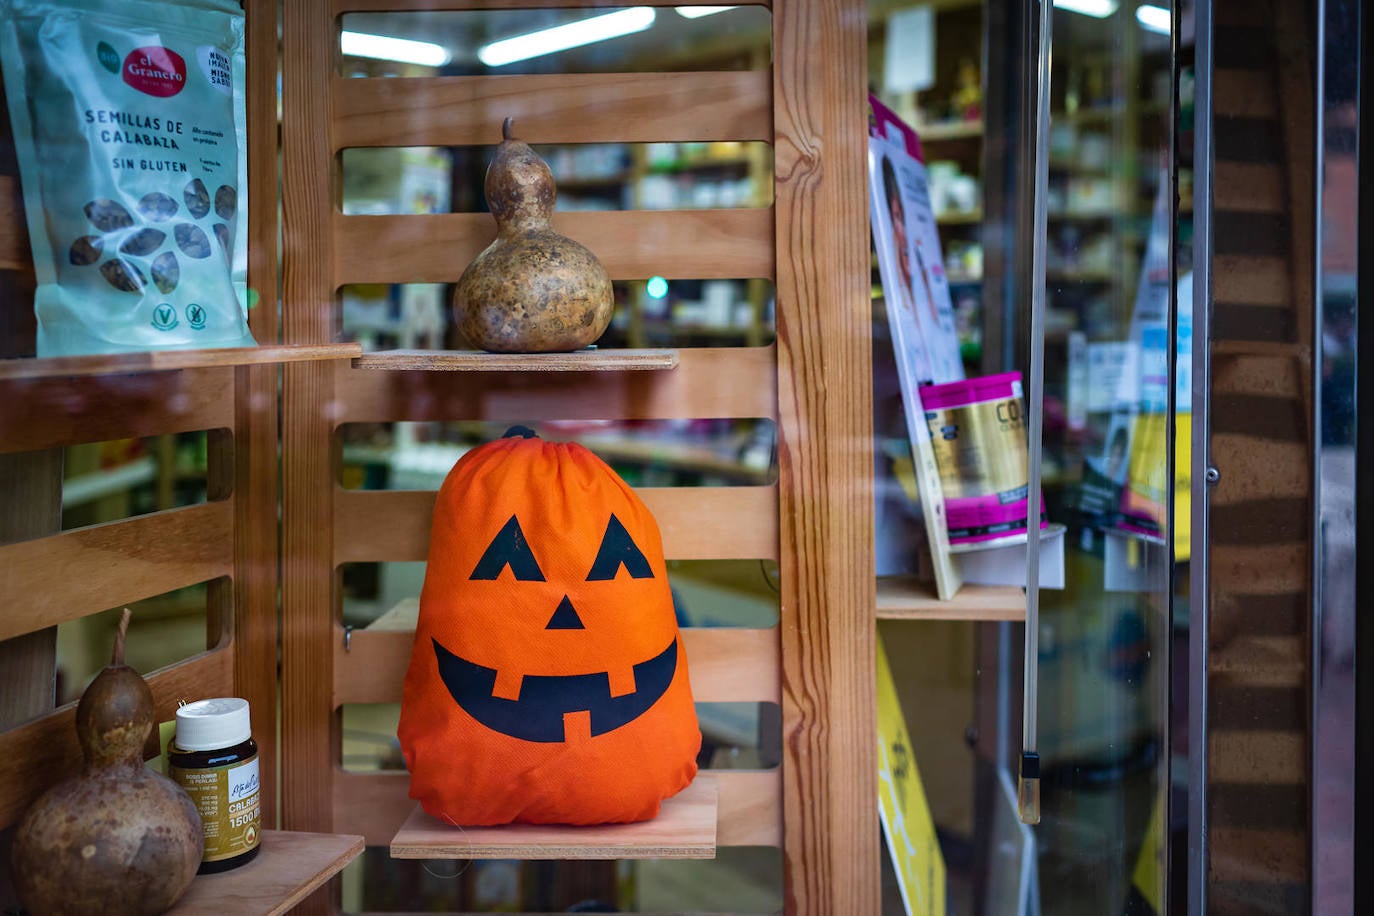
[(36, 755), (1262, 661), (727, 665), (554, 108), (633, 245), (50, 412), (1250, 187), (1261, 567), (14, 235), (375, 805), (1252, 280), (1257, 758), (169, 360), (55, 579), (1257, 856), (701, 523), (1242, 94), (723, 383), (405, 6), (1260, 512)]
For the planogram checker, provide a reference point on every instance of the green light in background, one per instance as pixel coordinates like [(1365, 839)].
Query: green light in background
[(657, 287)]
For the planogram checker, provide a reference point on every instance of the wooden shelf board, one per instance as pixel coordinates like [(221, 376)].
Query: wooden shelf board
[(959, 218), (169, 360), (907, 598), (958, 130), (697, 164), (288, 868), (1078, 276), (589, 360), (684, 829)]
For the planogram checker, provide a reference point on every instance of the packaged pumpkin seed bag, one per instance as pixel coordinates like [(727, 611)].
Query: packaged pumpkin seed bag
[(128, 120)]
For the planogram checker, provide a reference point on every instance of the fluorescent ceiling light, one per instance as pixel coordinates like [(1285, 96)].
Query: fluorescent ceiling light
[(384, 47), (1153, 19), (696, 12), (563, 37), (1098, 9)]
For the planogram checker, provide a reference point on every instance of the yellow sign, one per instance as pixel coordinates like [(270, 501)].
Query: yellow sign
[(1148, 877), (1146, 487), (902, 808)]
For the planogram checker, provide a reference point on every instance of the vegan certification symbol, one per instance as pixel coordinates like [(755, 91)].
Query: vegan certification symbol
[(195, 316), (164, 317)]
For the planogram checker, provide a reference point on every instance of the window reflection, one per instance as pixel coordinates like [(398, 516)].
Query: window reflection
[(957, 74)]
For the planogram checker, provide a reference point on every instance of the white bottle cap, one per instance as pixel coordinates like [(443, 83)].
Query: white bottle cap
[(209, 725)]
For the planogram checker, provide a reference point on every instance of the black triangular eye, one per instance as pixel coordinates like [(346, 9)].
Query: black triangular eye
[(618, 549), (509, 548)]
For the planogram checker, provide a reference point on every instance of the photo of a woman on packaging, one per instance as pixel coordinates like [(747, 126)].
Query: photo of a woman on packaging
[(897, 212), (904, 249)]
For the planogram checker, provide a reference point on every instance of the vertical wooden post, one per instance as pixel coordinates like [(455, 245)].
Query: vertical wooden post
[(256, 572), (31, 487), (825, 438), (308, 31)]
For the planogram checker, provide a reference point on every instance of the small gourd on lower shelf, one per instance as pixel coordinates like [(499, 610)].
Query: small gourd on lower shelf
[(532, 290), (116, 837)]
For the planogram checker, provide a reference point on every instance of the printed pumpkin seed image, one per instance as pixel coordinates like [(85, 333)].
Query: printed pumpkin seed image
[(166, 272), (157, 207), (226, 202), (193, 241), (225, 243), (144, 242), (86, 250), (197, 199), (123, 275), (112, 219), (108, 216)]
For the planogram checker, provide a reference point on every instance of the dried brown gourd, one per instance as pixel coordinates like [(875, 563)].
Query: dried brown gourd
[(117, 837), (532, 290)]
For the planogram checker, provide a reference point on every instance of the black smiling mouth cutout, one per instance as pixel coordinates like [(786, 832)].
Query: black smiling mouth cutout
[(537, 715)]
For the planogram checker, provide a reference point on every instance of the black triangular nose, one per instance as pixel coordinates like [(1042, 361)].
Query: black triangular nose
[(565, 618)]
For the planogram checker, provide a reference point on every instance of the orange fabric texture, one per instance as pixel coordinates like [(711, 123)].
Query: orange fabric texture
[(548, 681)]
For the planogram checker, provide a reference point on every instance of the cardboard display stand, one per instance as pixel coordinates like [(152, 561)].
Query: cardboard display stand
[(926, 347)]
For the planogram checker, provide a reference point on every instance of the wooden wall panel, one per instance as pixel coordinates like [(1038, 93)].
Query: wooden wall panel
[(554, 108), (815, 381), (727, 665), (48, 412), (65, 576), (36, 755), (374, 804), (707, 523), (722, 382), (633, 245)]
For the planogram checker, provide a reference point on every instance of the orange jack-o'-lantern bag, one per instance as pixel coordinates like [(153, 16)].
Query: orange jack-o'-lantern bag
[(548, 682)]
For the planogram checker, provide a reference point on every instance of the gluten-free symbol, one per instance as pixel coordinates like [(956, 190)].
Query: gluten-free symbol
[(164, 317), (195, 316)]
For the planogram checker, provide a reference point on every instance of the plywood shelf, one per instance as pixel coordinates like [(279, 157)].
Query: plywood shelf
[(590, 360), (288, 868), (169, 360), (908, 598), (684, 829)]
